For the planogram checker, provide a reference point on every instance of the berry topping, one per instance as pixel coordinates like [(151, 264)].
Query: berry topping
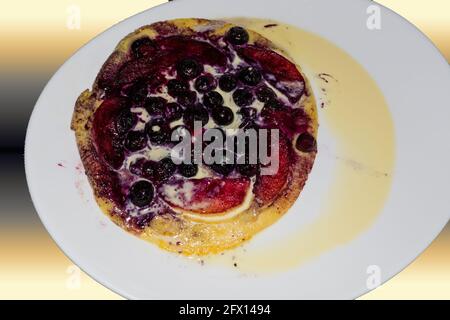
[(125, 121), (141, 193), (243, 97), (138, 92), (188, 170), (205, 83), (164, 169), (136, 166), (212, 99), (207, 195), (135, 140), (223, 168), (175, 87), (223, 116), (237, 36), (227, 82), (274, 104), (189, 68), (265, 94), (148, 169), (172, 112), (284, 74), (247, 170), (154, 105), (142, 47), (250, 76), (187, 98), (248, 113), (305, 142), (195, 113), (158, 131)]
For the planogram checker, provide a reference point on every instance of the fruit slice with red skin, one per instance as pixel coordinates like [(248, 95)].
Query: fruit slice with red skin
[(170, 51), (207, 195), (289, 121), (106, 138), (267, 187), (279, 71)]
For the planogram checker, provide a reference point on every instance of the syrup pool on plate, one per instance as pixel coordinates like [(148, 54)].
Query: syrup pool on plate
[(353, 112)]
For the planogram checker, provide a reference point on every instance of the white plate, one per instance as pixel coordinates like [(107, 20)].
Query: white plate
[(416, 211)]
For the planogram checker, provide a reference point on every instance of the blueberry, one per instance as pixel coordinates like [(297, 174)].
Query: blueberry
[(306, 142), (195, 113), (141, 193), (139, 46), (175, 87), (138, 92), (188, 170), (227, 82), (205, 83), (165, 168), (265, 94), (189, 68), (243, 97), (172, 112), (247, 170), (223, 168), (136, 166), (223, 116), (237, 36), (149, 169), (274, 104), (187, 98), (158, 131), (135, 140), (125, 121), (212, 99), (250, 76), (154, 105), (248, 113)]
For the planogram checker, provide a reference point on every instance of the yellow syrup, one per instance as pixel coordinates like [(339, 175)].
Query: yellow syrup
[(353, 110)]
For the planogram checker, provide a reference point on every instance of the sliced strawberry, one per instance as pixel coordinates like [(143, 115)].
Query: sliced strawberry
[(280, 72), (106, 138), (267, 187), (207, 195)]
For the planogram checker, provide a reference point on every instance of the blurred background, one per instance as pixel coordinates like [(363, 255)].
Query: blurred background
[(37, 37)]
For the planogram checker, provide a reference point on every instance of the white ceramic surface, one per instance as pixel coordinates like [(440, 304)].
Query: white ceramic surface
[(412, 75)]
